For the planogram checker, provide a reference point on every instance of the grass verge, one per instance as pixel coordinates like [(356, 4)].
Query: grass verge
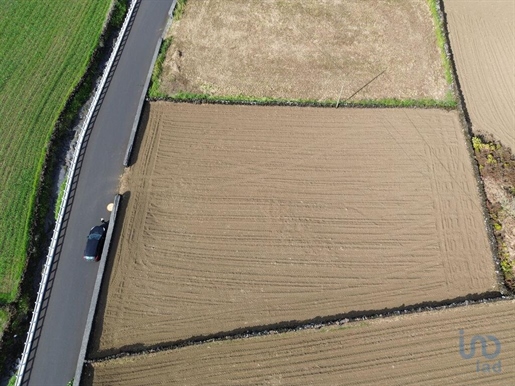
[(497, 169), (179, 9), (153, 90), (441, 39), (59, 199)]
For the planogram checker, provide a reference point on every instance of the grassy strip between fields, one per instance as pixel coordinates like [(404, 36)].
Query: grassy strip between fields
[(242, 99), (441, 39), (497, 169)]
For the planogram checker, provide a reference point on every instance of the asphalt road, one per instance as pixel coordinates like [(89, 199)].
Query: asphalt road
[(59, 336)]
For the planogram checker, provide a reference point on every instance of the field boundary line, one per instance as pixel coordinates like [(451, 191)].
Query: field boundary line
[(64, 203), (96, 292), (309, 324), (135, 125), (468, 133)]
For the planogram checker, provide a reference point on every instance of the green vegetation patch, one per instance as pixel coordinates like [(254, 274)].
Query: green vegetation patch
[(12, 381), (153, 90), (185, 78), (4, 318), (45, 48), (179, 9), (449, 103), (497, 168), (441, 39), (60, 197)]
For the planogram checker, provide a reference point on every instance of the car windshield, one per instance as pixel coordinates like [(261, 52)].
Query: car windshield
[(94, 236)]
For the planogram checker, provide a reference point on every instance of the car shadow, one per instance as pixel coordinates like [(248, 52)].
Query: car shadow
[(98, 322)]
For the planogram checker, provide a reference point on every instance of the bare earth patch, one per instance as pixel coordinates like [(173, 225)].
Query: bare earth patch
[(482, 35), (305, 50), (418, 349), (243, 216)]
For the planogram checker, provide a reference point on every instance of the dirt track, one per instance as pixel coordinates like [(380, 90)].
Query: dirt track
[(418, 349), (245, 216), (482, 34), (306, 49)]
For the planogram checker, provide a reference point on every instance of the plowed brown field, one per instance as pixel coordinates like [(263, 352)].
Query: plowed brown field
[(482, 34), (418, 349), (244, 216), (308, 49)]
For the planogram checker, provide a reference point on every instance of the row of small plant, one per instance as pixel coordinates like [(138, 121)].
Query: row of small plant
[(497, 163)]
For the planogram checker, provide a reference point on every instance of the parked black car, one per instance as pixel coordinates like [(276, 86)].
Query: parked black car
[(95, 243)]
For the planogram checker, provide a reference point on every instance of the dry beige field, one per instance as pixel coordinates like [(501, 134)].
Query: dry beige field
[(417, 349), (244, 216), (482, 34), (308, 49)]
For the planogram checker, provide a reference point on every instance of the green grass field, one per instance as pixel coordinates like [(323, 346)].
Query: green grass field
[(45, 48)]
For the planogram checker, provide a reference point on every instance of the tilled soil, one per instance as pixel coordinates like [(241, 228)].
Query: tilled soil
[(482, 35), (418, 349), (244, 216), (310, 49)]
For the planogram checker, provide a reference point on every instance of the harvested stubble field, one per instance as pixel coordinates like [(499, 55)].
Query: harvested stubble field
[(244, 216), (482, 35), (416, 349), (45, 47), (312, 50)]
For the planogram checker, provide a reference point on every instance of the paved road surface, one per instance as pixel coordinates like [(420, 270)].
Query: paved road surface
[(56, 351)]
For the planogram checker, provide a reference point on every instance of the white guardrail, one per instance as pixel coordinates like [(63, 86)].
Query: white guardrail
[(64, 203)]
